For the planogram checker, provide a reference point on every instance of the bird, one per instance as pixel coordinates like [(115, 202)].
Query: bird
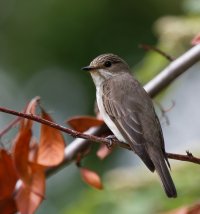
[(129, 113)]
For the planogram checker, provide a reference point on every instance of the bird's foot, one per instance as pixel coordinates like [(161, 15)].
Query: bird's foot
[(112, 139)]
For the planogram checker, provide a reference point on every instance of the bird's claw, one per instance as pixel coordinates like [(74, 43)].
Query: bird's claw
[(111, 139)]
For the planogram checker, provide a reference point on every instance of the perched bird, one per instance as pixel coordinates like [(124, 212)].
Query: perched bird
[(129, 113)]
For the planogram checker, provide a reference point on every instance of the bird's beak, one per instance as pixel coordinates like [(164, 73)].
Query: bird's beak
[(88, 68)]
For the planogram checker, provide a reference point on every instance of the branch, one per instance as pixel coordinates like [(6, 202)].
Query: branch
[(38, 119), (9, 126), (70, 132), (171, 72), (89, 137), (162, 53), (188, 158)]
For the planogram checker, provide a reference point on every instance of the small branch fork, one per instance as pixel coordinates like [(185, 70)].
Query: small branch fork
[(156, 85), (188, 157)]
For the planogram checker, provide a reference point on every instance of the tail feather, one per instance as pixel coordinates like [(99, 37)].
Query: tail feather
[(163, 172), (155, 159)]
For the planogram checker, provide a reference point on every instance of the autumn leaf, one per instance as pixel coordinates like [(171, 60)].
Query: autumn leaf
[(51, 146), (91, 178), (8, 176), (31, 191), (8, 180), (21, 153), (8, 206), (29, 197), (22, 143), (103, 152), (30, 109), (83, 123)]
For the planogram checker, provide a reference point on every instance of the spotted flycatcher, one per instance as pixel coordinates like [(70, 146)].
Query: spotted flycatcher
[(129, 113)]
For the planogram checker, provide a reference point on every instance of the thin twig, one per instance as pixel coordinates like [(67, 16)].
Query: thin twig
[(187, 158), (163, 111), (162, 53), (9, 126), (92, 138), (38, 119)]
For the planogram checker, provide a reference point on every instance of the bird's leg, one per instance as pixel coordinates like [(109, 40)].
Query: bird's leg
[(112, 139)]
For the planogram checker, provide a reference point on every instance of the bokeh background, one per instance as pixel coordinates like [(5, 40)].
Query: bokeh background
[(43, 45)]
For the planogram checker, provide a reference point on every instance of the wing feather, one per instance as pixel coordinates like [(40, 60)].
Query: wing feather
[(123, 111)]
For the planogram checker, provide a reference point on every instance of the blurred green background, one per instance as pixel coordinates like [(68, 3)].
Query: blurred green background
[(43, 45)]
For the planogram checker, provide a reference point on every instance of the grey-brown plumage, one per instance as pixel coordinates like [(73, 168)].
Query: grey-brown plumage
[(128, 111)]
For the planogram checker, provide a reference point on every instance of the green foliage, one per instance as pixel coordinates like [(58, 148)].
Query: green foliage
[(147, 197)]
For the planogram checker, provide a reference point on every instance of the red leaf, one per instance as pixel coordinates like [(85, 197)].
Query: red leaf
[(33, 151), (91, 178), (29, 197), (22, 143), (21, 153), (52, 145), (8, 206), (83, 123), (8, 176), (103, 152), (196, 40), (32, 177), (30, 109)]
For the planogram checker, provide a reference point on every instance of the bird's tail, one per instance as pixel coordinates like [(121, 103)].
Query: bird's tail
[(163, 172)]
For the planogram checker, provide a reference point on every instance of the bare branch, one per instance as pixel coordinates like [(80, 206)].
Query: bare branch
[(187, 158), (9, 126), (70, 132), (88, 137), (171, 72), (149, 47)]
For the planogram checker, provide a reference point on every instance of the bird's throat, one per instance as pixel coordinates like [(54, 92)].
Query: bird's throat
[(99, 76)]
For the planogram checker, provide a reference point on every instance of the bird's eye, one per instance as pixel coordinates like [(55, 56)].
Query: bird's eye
[(107, 64)]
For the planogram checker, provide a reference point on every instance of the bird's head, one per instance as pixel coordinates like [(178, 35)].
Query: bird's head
[(106, 66)]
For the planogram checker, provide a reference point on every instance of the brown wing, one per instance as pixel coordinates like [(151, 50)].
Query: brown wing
[(123, 105)]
